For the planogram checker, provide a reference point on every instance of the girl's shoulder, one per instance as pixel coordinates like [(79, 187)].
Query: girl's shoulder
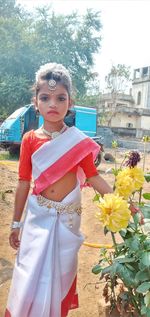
[(30, 135)]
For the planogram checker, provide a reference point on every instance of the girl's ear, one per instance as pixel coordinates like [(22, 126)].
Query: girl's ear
[(35, 103), (70, 103)]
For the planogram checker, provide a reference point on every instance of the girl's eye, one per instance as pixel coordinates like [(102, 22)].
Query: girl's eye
[(61, 98), (44, 98)]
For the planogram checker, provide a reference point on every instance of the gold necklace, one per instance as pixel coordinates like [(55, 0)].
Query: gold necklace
[(54, 134)]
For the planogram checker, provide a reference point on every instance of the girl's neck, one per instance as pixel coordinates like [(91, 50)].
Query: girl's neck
[(53, 126)]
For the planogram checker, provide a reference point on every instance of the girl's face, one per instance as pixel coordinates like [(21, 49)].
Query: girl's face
[(53, 104)]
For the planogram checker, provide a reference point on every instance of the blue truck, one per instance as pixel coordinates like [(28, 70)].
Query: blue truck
[(27, 118)]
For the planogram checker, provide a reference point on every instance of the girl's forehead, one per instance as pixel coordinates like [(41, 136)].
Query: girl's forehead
[(58, 89)]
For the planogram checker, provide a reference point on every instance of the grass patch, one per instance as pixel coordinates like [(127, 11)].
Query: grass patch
[(5, 155)]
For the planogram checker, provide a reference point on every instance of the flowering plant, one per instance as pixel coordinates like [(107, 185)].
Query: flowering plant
[(125, 269)]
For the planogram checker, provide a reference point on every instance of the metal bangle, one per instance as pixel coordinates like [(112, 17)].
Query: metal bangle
[(16, 225)]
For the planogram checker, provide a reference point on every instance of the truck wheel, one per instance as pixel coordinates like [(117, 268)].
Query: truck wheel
[(98, 159), (14, 150)]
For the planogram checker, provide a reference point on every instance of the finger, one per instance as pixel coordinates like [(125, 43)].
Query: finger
[(14, 243)]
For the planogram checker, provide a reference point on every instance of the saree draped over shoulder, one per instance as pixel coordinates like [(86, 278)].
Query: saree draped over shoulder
[(44, 277)]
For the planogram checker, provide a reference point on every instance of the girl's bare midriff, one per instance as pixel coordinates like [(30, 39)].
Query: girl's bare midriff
[(61, 188)]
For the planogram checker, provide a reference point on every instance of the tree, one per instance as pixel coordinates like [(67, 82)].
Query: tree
[(29, 40), (71, 40), (117, 81), (118, 78), (8, 8)]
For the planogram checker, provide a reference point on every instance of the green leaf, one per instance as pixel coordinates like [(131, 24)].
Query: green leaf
[(133, 243), (125, 260), (106, 270), (96, 269), (147, 244), (146, 210), (137, 218), (147, 177), (126, 275), (147, 299), (146, 196), (144, 261), (96, 198), (130, 267), (115, 171), (114, 269), (143, 310), (142, 276), (123, 233), (143, 288), (105, 230), (147, 312)]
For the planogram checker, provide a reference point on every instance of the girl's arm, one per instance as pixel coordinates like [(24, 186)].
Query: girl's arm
[(22, 191), (100, 185)]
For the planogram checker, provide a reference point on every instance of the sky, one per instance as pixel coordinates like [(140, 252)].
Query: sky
[(125, 32)]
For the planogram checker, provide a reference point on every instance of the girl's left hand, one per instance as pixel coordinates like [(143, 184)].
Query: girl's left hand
[(14, 238)]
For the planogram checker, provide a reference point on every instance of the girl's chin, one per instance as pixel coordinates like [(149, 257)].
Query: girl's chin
[(54, 120)]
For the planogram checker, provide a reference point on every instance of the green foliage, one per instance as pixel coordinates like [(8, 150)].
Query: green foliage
[(128, 264), (88, 101), (14, 93), (96, 269), (4, 155), (146, 196), (29, 40), (8, 8), (147, 177)]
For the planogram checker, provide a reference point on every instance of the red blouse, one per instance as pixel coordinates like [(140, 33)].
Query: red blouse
[(30, 143)]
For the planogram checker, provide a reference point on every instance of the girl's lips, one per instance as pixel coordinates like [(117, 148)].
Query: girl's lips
[(53, 112)]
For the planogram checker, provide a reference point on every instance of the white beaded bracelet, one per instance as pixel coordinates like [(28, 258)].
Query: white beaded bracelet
[(16, 225)]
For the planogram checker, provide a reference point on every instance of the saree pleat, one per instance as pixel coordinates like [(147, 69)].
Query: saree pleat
[(46, 264)]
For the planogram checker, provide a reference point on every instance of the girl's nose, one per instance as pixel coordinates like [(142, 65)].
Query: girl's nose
[(51, 103)]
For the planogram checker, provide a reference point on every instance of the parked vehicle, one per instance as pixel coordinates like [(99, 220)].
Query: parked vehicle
[(27, 118)]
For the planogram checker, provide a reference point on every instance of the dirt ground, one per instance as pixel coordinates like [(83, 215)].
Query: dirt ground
[(89, 291)]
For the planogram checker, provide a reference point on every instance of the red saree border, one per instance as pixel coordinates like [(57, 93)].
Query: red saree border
[(65, 163), (70, 301)]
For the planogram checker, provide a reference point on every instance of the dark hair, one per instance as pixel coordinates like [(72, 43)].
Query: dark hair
[(55, 72)]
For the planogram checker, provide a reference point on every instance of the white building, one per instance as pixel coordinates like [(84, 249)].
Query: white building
[(129, 111)]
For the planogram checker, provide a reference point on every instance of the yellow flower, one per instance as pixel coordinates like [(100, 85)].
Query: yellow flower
[(114, 212), (137, 176), (128, 181), (124, 184)]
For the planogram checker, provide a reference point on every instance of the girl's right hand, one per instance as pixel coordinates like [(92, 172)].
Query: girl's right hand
[(14, 238)]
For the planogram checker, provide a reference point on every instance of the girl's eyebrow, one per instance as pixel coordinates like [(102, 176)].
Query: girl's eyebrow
[(58, 94)]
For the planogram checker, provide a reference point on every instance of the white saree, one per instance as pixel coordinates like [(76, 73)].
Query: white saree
[(46, 264), (43, 283)]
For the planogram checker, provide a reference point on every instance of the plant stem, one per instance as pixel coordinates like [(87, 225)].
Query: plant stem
[(115, 159), (114, 242), (140, 195), (134, 301), (144, 156)]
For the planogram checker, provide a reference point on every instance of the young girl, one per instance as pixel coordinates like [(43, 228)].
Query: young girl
[(59, 158)]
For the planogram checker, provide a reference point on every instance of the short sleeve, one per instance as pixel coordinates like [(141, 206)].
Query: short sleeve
[(88, 166), (25, 165)]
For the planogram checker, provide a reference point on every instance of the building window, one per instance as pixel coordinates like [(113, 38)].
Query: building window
[(137, 73), (145, 71), (129, 125), (139, 98)]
